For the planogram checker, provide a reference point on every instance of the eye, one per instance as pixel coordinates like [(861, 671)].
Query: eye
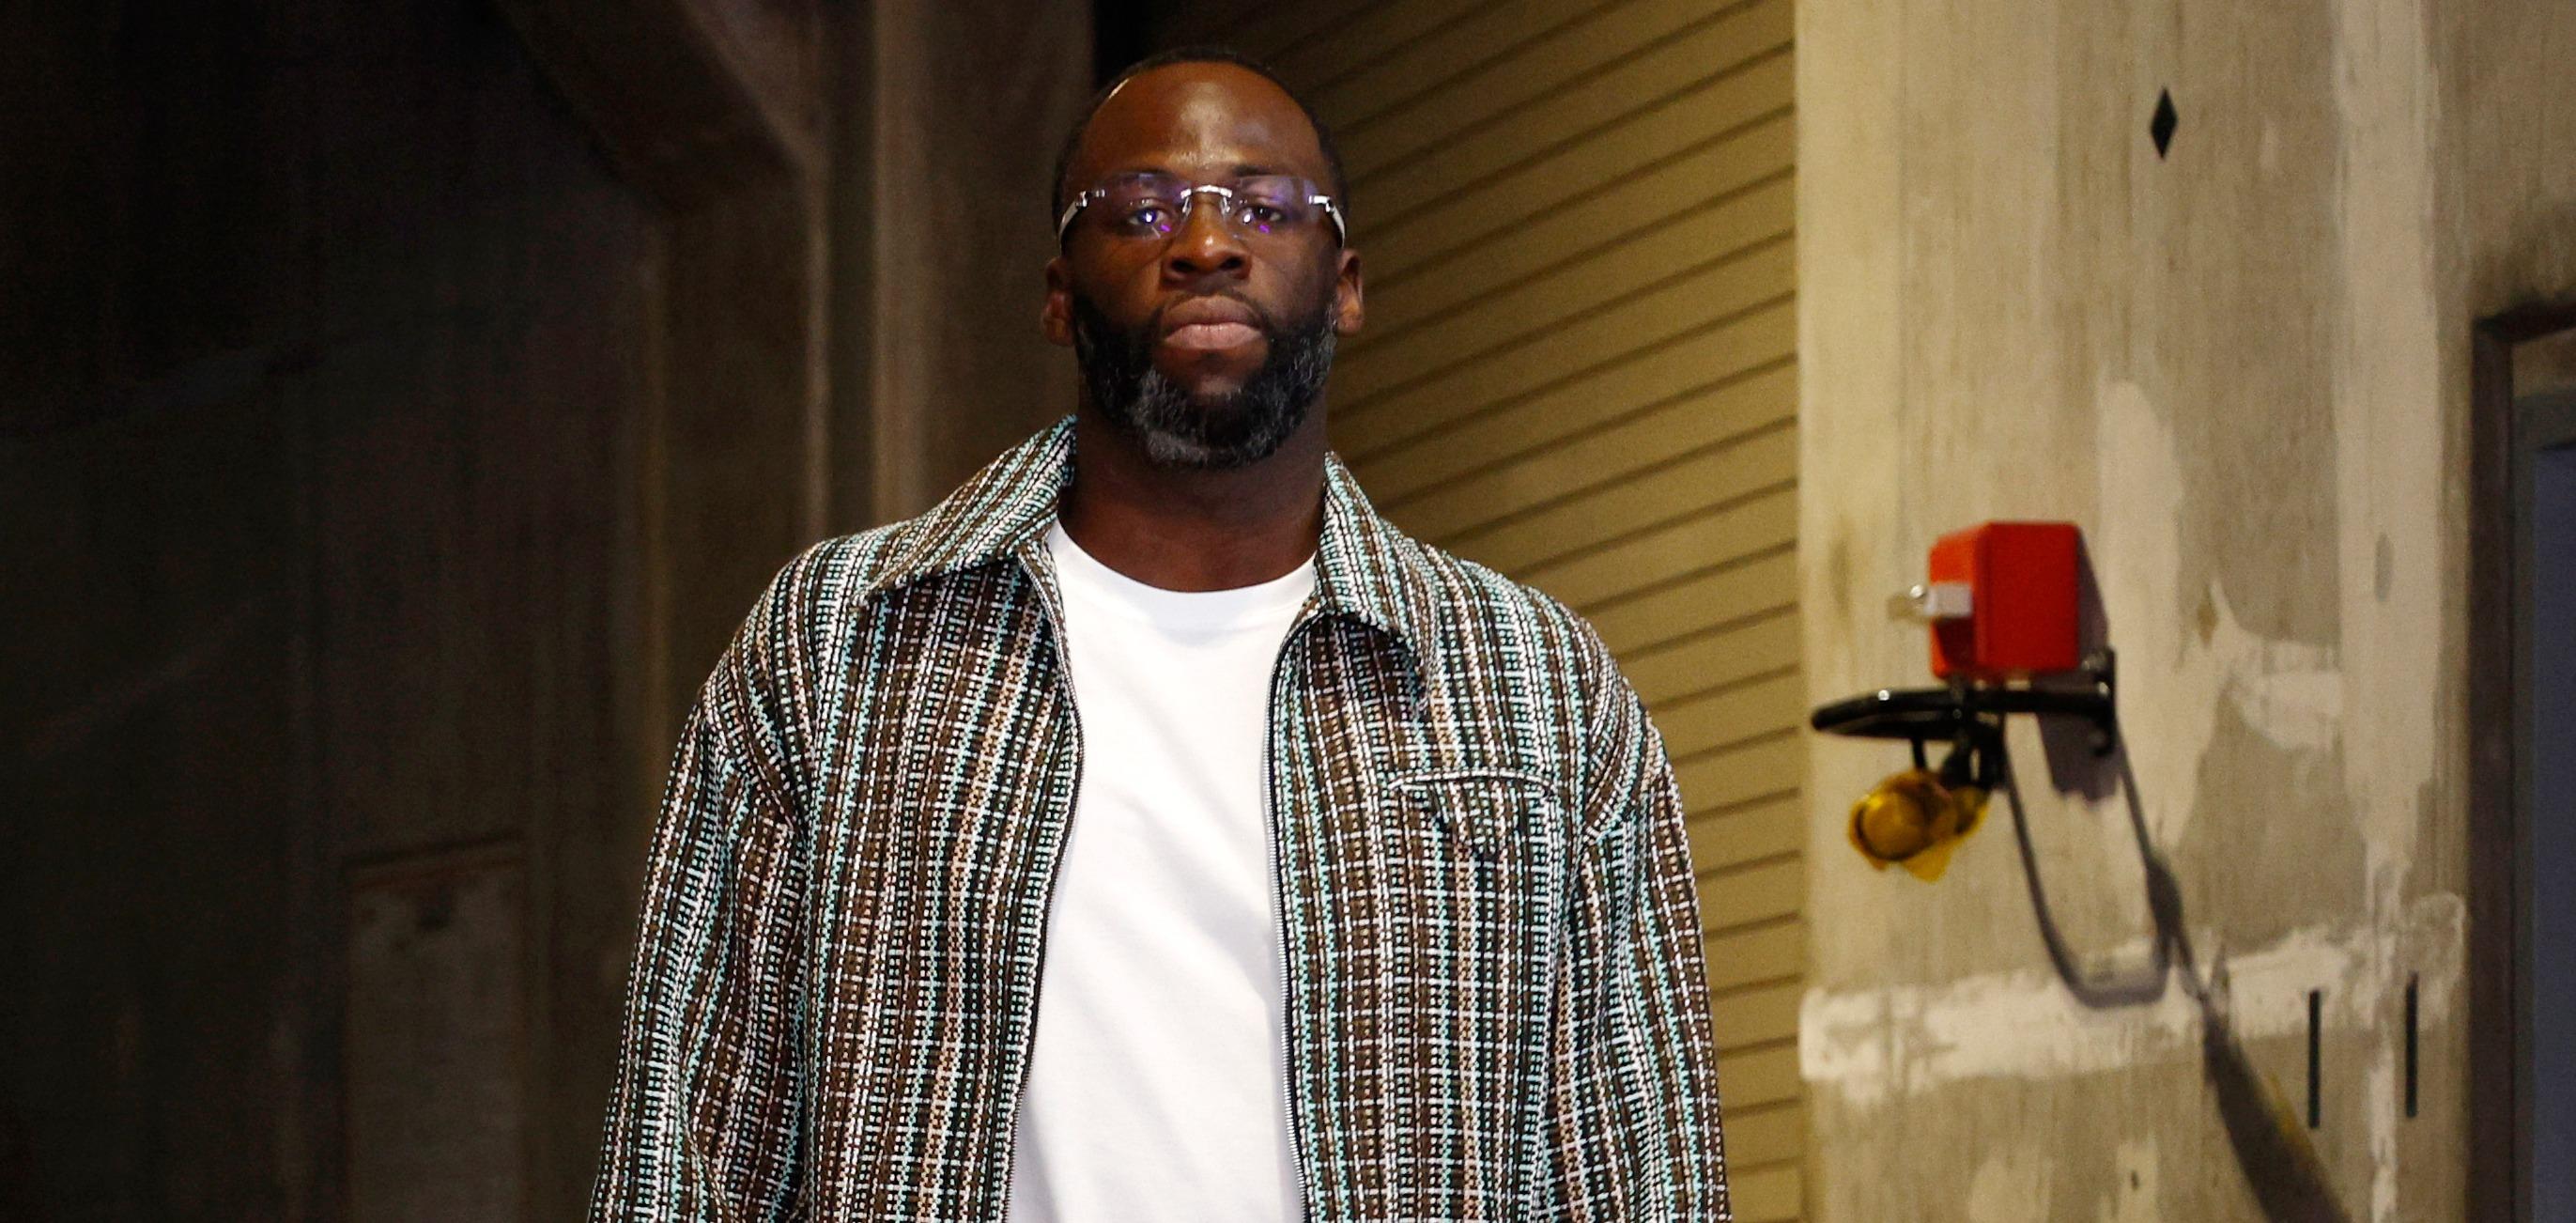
[(1255, 212), (1143, 216)]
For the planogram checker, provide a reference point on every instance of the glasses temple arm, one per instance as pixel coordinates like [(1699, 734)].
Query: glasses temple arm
[(1341, 228), (1064, 220)]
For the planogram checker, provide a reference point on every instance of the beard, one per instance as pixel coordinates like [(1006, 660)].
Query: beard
[(1176, 429)]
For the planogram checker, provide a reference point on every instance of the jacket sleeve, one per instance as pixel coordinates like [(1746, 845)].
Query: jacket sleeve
[(704, 1120), (1631, 1115)]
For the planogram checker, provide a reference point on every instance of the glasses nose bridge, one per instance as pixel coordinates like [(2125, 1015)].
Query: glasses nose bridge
[(1187, 203)]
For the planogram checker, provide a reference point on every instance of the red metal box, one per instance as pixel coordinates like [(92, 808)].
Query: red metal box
[(2020, 614)]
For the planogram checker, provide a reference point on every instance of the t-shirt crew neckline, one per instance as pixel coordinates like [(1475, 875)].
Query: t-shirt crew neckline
[(1262, 603)]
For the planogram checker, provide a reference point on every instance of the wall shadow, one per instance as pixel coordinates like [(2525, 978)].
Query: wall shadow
[(2268, 1139)]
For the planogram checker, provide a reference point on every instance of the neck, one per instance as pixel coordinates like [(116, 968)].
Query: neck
[(1194, 530)]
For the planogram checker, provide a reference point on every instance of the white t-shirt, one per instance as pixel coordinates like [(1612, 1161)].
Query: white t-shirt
[(1155, 1089)]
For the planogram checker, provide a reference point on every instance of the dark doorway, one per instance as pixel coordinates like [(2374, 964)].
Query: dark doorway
[(2546, 695), (2523, 735)]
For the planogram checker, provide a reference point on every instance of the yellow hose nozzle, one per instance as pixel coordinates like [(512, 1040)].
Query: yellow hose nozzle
[(1912, 820)]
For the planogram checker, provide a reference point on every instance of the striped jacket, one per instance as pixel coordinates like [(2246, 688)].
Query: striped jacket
[(1496, 1001)]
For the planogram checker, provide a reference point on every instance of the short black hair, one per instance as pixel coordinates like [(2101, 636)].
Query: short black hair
[(1202, 54)]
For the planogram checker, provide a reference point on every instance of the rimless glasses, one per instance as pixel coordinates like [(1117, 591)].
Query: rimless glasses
[(1149, 207)]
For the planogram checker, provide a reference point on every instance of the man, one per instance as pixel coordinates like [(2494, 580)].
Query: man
[(1152, 832)]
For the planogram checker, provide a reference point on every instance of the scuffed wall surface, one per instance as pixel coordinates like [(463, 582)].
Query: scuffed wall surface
[(317, 445), (2241, 366), (400, 405), (2508, 129), (971, 102)]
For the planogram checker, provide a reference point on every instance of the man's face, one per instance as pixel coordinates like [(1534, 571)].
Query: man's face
[(1209, 349)]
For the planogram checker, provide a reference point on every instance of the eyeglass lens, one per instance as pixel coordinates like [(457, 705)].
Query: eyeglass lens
[(1154, 205)]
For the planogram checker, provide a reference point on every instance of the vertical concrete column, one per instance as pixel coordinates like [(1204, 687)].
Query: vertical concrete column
[(959, 110)]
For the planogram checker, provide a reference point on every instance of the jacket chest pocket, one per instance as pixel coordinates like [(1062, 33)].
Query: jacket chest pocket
[(1468, 915), (1497, 817), (1472, 853)]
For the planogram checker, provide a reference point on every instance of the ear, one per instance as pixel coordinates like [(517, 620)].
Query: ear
[(1347, 310), (1055, 316)]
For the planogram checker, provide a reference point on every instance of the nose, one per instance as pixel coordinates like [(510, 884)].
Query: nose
[(1204, 244)]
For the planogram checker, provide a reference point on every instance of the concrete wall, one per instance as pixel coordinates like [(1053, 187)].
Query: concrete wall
[(2242, 366), (946, 184), (322, 416), (399, 406)]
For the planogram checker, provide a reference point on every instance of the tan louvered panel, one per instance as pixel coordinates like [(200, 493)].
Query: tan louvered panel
[(1664, 608), (1596, 108), (1371, 34), (1462, 364), (1731, 715), (1646, 203), (1402, 89), (1761, 1074), (1757, 769), (1744, 241), (1764, 1193), (1728, 500), (1749, 896), (1763, 1135), (1490, 209), (1660, 408), (1587, 542), (1577, 225), (1677, 606), (1526, 73), (1620, 468), (1763, 828), (1477, 359), (1766, 954), (1761, 1007), (1766, 1132), (1572, 227), (1697, 553), (1591, 387), (1722, 654), (1436, 332)]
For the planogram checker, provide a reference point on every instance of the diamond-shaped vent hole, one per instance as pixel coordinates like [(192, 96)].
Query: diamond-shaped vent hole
[(2161, 128)]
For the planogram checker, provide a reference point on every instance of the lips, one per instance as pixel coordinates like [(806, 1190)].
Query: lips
[(1210, 324), (1207, 336)]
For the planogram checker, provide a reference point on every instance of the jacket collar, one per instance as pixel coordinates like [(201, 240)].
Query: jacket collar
[(1365, 568)]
